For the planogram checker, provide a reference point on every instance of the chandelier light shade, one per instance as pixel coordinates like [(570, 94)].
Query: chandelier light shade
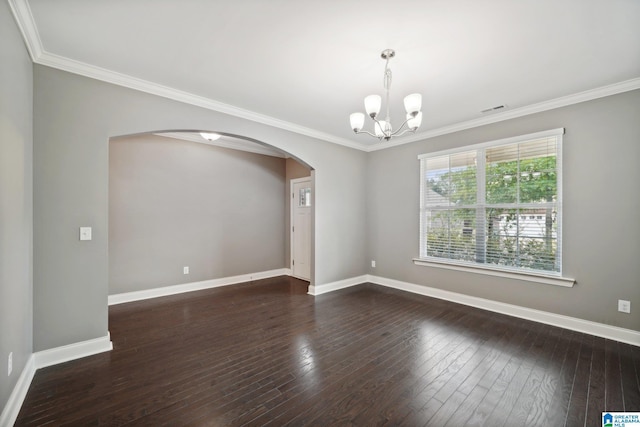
[(357, 121), (413, 123), (413, 103), (372, 104), (382, 129)]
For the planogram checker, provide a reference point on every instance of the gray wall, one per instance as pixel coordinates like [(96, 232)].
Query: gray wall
[(601, 226), (74, 118), (175, 203), (16, 206)]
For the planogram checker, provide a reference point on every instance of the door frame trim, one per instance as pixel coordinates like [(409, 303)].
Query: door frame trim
[(291, 215)]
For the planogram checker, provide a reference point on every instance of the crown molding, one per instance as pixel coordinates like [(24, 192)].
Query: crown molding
[(588, 95), (102, 74), (26, 23)]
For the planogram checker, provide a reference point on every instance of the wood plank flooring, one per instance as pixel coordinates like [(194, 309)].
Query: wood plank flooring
[(266, 353)]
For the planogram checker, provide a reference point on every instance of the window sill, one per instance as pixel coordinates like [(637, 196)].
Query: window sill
[(530, 277)]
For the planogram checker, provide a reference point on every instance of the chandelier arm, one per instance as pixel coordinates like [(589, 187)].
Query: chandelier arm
[(408, 129), (377, 123), (368, 133), (396, 133), (404, 131)]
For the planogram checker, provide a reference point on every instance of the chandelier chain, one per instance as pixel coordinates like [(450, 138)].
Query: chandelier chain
[(387, 86)]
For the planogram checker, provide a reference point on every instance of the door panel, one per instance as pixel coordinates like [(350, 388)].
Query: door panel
[(301, 229)]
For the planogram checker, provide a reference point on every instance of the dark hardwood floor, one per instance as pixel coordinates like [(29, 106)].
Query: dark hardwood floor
[(266, 353)]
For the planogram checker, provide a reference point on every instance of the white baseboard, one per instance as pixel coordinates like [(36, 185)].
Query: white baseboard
[(65, 353), (42, 359), (13, 405), (585, 326), (194, 286), (334, 286)]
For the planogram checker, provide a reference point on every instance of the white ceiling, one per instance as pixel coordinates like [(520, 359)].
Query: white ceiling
[(306, 65)]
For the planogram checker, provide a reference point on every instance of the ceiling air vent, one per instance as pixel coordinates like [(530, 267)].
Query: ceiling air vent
[(492, 109)]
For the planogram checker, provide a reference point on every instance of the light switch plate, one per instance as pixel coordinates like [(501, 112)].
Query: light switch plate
[(624, 306), (85, 233)]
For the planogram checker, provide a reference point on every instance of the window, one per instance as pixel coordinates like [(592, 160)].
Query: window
[(494, 205), (304, 199)]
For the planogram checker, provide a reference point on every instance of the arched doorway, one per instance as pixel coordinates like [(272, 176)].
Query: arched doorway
[(187, 213)]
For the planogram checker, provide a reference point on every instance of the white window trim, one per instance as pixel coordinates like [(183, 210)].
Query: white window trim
[(533, 276), (549, 279), (495, 143)]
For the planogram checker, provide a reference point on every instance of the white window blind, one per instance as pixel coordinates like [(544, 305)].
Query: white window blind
[(496, 204)]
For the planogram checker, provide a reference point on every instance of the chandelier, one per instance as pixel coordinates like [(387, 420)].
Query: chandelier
[(372, 103)]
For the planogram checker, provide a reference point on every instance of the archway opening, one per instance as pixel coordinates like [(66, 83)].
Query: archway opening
[(187, 213)]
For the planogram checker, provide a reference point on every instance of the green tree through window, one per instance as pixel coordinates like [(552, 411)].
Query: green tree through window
[(494, 205)]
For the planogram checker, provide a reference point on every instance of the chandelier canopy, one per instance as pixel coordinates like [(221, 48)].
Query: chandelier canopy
[(372, 103)]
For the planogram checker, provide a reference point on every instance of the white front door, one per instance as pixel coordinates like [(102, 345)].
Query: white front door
[(301, 228)]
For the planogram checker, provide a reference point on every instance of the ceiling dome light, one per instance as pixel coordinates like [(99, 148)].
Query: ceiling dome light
[(210, 136), (372, 104)]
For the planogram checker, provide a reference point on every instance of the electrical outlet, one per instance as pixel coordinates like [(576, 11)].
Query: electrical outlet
[(373, 264), (185, 270), (85, 233), (10, 364), (624, 306)]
